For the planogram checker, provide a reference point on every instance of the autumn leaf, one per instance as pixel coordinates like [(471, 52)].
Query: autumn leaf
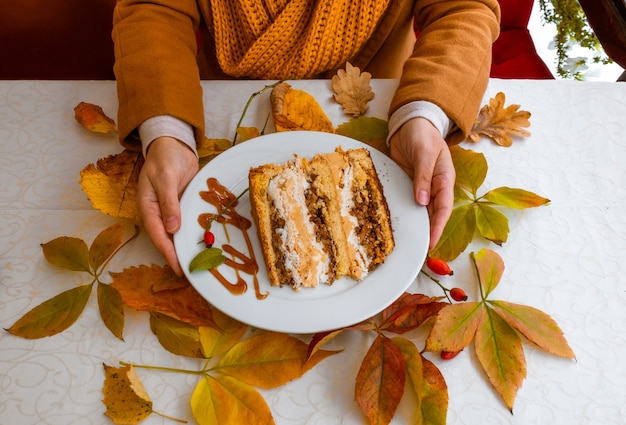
[(105, 245), (247, 133), (380, 381), (211, 147), (68, 253), (409, 311), (369, 130), (470, 167), (111, 309), (491, 223), (457, 234), (135, 285), (215, 341), (321, 338), (297, 110), (500, 353), (490, 268), (93, 118), (352, 89), (269, 360), (125, 397), (111, 184), (514, 198), (226, 400), (455, 326), (175, 336), (499, 123), (536, 326), (54, 315)]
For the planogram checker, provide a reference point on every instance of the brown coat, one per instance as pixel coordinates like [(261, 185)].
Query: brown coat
[(158, 67)]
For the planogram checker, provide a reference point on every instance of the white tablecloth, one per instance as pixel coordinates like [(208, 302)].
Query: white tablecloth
[(567, 259)]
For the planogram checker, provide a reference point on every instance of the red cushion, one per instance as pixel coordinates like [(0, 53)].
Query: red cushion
[(515, 56), (515, 13)]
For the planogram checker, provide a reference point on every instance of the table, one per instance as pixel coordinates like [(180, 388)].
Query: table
[(566, 259)]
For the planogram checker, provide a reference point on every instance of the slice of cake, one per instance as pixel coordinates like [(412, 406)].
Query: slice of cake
[(321, 218)]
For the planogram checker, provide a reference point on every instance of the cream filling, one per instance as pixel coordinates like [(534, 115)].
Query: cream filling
[(305, 257), (356, 250)]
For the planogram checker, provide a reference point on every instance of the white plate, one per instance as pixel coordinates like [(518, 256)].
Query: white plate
[(309, 310)]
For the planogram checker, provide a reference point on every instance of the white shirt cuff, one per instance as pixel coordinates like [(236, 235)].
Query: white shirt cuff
[(423, 109), (166, 125)]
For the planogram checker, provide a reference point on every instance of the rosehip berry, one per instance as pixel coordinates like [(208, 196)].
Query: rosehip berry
[(449, 355), (209, 239), (439, 266), (458, 294)]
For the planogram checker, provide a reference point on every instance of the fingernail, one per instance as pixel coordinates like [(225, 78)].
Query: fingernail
[(170, 224), (423, 197)]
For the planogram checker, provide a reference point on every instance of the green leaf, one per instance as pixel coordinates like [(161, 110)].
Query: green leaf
[(111, 309), (207, 259), (457, 234), (54, 315), (455, 327), (536, 326), (460, 195), (499, 351), (67, 253), (413, 365), (491, 224), (370, 130), (471, 168), (490, 267), (105, 244), (175, 336), (514, 198)]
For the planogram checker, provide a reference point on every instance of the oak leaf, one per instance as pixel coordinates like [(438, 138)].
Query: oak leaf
[(135, 285), (93, 118), (297, 110), (352, 89), (125, 397), (380, 381), (111, 184), (499, 123)]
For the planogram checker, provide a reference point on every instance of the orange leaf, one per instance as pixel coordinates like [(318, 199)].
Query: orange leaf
[(409, 311), (500, 353), (269, 360), (225, 400), (125, 397), (499, 123), (215, 341), (455, 327), (111, 184), (297, 110), (135, 285), (322, 338), (536, 326), (490, 268), (514, 198), (380, 381), (352, 89), (93, 118)]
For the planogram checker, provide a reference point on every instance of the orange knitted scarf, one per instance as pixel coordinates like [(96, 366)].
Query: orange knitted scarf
[(277, 39)]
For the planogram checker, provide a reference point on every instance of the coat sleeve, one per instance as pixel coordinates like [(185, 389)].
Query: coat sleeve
[(451, 60), (155, 64)]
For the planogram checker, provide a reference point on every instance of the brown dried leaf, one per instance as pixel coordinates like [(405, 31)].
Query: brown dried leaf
[(297, 110), (111, 184), (93, 118), (499, 123), (352, 89)]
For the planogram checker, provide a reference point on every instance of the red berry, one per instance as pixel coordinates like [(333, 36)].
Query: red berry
[(439, 266), (449, 355), (458, 294), (209, 239)]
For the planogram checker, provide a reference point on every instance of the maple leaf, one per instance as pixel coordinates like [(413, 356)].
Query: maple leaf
[(380, 381), (369, 130), (125, 397), (93, 118), (352, 89), (499, 123), (111, 184), (297, 110), (473, 214), (136, 286)]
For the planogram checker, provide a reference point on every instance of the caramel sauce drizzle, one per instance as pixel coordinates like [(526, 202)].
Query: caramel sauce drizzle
[(222, 199)]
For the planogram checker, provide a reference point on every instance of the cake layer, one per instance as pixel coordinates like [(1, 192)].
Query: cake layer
[(320, 219)]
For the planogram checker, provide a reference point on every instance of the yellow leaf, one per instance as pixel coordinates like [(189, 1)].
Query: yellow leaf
[(514, 198), (297, 110), (499, 123), (352, 89), (175, 336), (224, 400), (247, 133), (490, 268), (111, 184), (491, 223), (269, 360), (211, 147), (93, 118), (125, 398), (499, 351), (215, 341)]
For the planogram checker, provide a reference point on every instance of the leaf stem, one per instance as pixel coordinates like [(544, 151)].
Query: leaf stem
[(443, 288), (163, 415), (480, 284), (165, 369), (245, 109)]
